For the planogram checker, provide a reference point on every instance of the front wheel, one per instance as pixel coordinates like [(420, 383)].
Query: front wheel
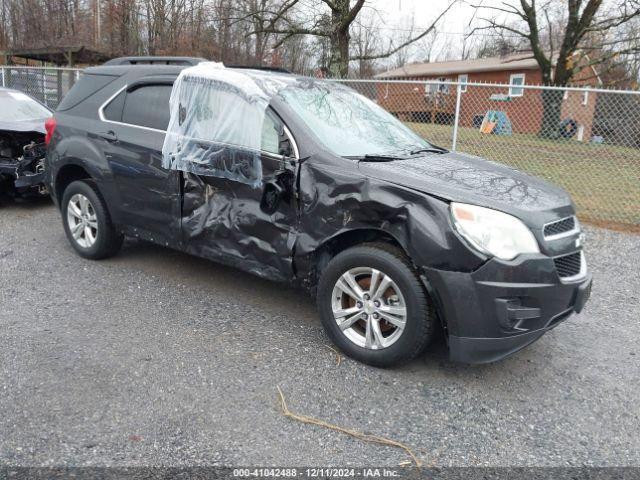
[(373, 306)]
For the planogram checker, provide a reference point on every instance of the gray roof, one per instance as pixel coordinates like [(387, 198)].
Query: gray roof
[(520, 61)]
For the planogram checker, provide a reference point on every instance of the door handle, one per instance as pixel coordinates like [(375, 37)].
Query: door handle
[(109, 136)]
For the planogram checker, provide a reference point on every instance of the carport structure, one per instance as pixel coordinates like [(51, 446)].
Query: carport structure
[(60, 56), (38, 71)]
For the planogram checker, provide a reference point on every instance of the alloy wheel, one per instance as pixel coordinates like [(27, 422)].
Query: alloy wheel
[(82, 220), (369, 308)]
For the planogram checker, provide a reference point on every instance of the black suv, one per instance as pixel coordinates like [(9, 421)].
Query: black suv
[(394, 236)]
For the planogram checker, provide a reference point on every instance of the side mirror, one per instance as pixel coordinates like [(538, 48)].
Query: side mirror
[(277, 190), (285, 148), (271, 197), (284, 143)]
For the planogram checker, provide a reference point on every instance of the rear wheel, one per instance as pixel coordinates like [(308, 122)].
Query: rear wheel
[(373, 306), (87, 223)]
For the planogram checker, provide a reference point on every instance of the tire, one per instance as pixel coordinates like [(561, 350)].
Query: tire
[(388, 344), (568, 128), (104, 241)]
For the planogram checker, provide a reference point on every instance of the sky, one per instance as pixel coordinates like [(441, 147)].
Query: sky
[(425, 11), (396, 15)]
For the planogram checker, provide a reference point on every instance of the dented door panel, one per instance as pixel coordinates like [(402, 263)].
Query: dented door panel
[(235, 223)]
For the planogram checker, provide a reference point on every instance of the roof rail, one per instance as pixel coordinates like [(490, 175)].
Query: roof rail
[(153, 60), (257, 67)]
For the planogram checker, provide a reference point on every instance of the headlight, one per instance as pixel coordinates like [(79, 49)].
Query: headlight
[(493, 232)]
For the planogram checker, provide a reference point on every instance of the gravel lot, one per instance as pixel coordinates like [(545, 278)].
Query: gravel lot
[(158, 358)]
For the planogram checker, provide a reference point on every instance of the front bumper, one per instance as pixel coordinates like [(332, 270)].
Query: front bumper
[(25, 182), (503, 306), (29, 181)]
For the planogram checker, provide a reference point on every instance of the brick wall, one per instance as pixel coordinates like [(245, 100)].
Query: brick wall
[(410, 102)]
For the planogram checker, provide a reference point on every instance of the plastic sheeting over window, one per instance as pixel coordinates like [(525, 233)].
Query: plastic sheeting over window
[(218, 123)]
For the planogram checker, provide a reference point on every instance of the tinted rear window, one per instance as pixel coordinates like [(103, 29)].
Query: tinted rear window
[(16, 106), (148, 106), (87, 85), (113, 111)]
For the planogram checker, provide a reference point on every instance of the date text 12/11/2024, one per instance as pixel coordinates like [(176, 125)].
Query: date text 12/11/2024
[(316, 473)]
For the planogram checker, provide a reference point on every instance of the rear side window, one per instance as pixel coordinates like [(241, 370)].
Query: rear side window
[(84, 88), (148, 106), (113, 111)]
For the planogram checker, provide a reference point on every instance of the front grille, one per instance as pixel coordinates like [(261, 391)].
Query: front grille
[(561, 226), (569, 265)]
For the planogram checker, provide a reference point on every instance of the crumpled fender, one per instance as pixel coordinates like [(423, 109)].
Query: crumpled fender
[(335, 200)]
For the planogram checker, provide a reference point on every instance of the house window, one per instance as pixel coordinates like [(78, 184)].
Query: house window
[(515, 80), (441, 87), (463, 79), (585, 97)]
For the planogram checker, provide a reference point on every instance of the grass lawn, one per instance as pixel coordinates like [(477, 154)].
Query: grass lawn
[(604, 180)]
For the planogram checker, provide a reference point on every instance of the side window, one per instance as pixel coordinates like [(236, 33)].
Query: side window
[(84, 88), (113, 110), (147, 106), (270, 141)]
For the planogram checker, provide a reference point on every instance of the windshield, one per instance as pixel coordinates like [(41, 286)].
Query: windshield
[(16, 106), (348, 123)]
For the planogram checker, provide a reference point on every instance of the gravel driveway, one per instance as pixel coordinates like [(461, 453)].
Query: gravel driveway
[(157, 358)]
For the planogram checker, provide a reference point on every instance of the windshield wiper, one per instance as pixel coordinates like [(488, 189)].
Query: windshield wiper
[(374, 157), (429, 150), (386, 157)]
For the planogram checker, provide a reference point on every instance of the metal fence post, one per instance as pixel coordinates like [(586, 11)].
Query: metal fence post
[(456, 118), (4, 81)]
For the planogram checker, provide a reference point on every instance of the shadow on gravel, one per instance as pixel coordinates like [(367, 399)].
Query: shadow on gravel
[(281, 300), (205, 275), (34, 203), (181, 270), (276, 298)]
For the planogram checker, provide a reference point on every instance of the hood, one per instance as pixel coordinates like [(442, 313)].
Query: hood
[(24, 126), (466, 178)]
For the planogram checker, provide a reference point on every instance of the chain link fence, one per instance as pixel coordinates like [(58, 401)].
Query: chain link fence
[(587, 140), (48, 85)]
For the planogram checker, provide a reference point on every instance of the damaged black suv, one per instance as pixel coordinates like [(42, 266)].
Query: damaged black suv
[(305, 181)]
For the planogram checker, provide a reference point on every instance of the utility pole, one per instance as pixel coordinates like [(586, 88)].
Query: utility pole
[(98, 23)]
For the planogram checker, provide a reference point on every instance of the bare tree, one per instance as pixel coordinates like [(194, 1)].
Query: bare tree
[(333, 20), (498, 46), (120, 27), (421, 48), (365, 41), (562, 49)]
